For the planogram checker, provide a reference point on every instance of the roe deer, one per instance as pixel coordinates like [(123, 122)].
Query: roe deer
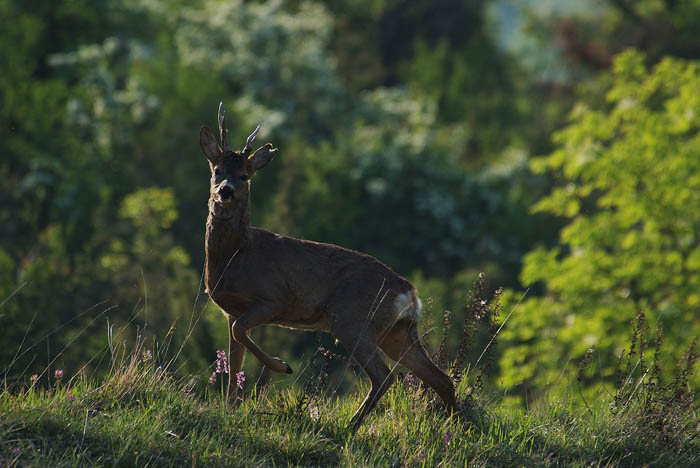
[(258, 277)]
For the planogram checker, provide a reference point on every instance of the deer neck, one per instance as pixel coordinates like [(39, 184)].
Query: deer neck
[(228, 236)]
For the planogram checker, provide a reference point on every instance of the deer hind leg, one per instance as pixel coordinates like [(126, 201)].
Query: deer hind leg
[(258, 314), (401, 343), (365, 352)]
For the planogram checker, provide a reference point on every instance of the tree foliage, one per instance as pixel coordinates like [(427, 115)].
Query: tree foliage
[(629, 185)]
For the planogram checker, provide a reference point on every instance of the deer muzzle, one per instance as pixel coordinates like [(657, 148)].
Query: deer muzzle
[(226, 191)]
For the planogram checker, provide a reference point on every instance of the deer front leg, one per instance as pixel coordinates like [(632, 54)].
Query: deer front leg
[(236, 353), (259, 314)]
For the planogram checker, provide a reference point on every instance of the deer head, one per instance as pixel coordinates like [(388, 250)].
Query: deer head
[(231, 170)]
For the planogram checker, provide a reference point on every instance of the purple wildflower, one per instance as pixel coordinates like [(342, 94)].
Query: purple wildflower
[(34, 378), (240, 378), (221, 362), (212, 379), (147, 355), (447, 438), (187, 391), (410, 379), (69, 396), (58, 375)]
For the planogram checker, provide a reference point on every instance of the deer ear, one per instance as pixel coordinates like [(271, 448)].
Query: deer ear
[(262, 157), (210, 147)]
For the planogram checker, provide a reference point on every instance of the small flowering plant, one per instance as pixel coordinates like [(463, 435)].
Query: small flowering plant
[(221, 362), (221, 365), (410, 380), (58, 374), (240, 378), (314, 412), (447, 438)]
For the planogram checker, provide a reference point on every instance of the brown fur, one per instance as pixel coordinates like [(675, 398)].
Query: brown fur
[(259, 278)]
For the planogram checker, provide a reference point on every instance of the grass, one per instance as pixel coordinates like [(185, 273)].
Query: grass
[(141, 416)]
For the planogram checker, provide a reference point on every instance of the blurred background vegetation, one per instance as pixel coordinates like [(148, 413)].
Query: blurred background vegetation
[(553, 145)]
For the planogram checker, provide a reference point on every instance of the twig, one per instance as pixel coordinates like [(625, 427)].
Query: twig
[(502, 324), (87, 410)]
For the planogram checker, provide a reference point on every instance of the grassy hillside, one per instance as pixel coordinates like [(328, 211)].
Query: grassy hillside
[(142, 416)]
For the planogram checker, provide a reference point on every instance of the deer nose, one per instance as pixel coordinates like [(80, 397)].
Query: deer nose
[(226, 191)]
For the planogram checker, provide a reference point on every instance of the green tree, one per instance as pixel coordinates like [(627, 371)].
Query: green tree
[(629, 184), (74, 107)]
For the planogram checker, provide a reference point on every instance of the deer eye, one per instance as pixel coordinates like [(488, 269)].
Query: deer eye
[(243, 177)]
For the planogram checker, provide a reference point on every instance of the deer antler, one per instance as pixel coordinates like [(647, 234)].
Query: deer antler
[(249, 142), (222, 127)]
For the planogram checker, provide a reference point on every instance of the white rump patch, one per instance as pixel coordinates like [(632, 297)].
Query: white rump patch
[(407, 305)]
